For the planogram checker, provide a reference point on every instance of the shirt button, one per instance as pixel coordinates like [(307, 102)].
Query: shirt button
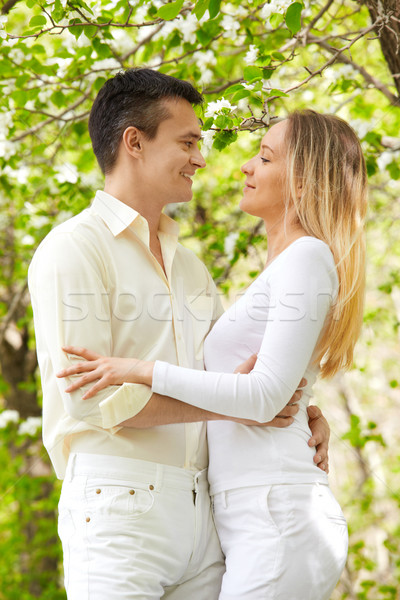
[(87, 519), (131, 492), (151, 487), (98, 491)]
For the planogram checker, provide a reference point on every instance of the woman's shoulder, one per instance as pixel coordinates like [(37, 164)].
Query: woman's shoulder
[(310, 250), (306, 257)]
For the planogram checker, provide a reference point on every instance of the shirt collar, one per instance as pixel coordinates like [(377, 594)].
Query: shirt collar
[(118, 216)]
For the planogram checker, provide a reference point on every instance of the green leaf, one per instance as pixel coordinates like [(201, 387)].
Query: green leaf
[(293, 17), (241, 94), (278, 56), (222, 121), (214, 8), (90, 31), (252, 74), (275, 20), (170, 11), (394, 170), (58, 98), (84, 5), (279, 93), (223, 139), (234, 88), (21, 80), (203, 36), (76, 31), (38, 21), (31, 3), (208, 123), (200, 8)]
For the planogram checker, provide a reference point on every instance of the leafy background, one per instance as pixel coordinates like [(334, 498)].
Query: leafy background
[(254, 62)]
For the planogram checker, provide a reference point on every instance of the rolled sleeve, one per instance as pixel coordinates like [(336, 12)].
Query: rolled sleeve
[(125, 403)]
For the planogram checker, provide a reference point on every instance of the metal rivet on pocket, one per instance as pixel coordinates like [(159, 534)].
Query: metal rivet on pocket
[(151, 487), (87, 519), (131, 492), (98, 491)]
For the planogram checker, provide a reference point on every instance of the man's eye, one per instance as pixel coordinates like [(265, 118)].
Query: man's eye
[(189, 144)]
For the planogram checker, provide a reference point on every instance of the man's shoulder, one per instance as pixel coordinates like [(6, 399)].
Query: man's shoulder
[(83, 226)]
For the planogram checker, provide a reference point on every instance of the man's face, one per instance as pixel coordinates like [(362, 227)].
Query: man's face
[(170, 160)]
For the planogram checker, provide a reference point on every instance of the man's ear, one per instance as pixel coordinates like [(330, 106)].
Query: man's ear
[(132, 140)]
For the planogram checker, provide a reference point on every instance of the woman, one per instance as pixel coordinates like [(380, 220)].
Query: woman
[(281, 530)]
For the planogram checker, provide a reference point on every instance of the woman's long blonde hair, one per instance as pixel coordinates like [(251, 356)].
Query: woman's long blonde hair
[(327, 181)]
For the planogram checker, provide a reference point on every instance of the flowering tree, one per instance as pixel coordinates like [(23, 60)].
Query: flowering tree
[(253, 61)]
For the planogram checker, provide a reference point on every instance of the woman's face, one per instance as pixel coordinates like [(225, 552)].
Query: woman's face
[(264, 191)]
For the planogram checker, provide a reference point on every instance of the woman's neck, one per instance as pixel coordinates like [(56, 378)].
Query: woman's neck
[(280, 239)]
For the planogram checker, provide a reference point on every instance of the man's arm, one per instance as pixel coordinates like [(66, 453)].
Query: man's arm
[(319, 439), (162, 410)]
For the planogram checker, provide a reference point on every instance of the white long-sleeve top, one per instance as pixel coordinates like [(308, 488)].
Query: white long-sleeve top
[(280, 317)]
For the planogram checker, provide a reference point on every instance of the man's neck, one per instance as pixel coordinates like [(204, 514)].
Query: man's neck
[(145, 208)]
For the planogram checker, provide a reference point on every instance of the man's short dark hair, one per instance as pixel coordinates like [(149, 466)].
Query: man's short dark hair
[(134, 97)]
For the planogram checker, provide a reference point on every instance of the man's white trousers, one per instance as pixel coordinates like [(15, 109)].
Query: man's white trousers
[(134, 529)]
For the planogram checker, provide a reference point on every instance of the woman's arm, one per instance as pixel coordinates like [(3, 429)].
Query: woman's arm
[(302, 294), (301, 289)]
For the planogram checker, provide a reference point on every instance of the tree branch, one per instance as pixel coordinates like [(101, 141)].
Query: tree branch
[(340, 57), (5, 9)]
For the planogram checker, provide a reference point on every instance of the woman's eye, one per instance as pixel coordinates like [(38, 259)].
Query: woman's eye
[(264, 160)]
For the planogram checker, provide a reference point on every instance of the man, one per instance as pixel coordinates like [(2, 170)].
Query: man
[(134, 510)]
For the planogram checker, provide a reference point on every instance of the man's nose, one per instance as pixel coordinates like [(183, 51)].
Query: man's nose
[(197, 159)]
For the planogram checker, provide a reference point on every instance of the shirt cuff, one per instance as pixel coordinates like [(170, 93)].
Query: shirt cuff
[(123, 404), (160, 376)]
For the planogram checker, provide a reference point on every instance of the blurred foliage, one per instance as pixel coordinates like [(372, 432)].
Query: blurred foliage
[(254, 62)]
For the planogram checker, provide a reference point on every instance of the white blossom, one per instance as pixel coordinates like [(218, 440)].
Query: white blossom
[(251, 55), (207, 141), (308, 95), (248, 86), (30, 426), (386, 158), (230, 243), (8, 416), (21, 174), (122, 41), (44, 95), (188, 27), (3, 21), (360, 127), (230, 27), (107, 63), (206, 76), (66, 173), (217, 106), (28, 240), (141, 14), (18, 56), (6, 148), (206, 59), (275, 6)]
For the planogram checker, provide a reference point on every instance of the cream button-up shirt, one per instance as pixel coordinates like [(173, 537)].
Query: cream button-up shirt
[(95, 283)]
